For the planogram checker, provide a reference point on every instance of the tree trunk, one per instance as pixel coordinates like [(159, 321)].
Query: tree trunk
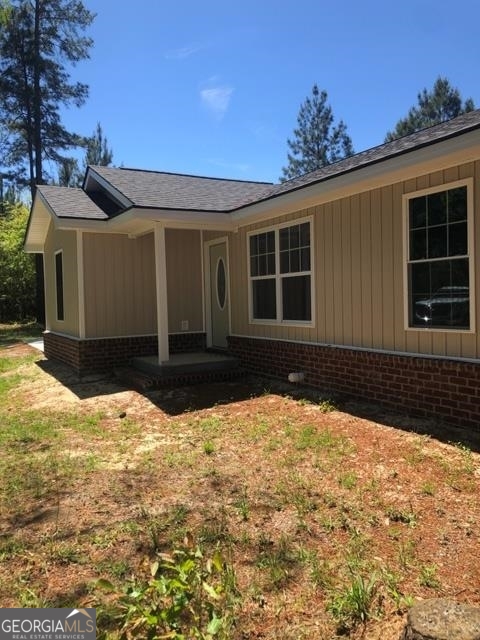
[(37, 98)]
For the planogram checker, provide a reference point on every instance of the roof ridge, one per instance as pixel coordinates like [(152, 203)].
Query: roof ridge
[(183, 175)]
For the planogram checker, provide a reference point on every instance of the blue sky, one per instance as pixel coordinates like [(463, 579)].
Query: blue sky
[(214, 87)]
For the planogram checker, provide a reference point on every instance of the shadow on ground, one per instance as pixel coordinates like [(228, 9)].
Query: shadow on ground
[(176, 400)]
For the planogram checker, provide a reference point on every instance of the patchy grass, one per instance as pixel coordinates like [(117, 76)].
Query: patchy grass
[(19, 332), (275, 516)]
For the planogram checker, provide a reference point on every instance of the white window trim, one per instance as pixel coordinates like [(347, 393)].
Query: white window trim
[(59, 252), (467, 182), (278, 276)]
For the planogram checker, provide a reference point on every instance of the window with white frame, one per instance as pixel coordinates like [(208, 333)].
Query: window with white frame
[(438, 259), (59, 285), (280, 274)]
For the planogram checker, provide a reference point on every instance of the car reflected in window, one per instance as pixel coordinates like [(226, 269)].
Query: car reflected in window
[(447, 307)]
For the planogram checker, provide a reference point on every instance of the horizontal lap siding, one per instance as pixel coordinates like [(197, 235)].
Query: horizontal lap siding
[(359, 264)]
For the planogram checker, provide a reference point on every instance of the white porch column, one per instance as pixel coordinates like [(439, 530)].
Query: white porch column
[(162, 302)]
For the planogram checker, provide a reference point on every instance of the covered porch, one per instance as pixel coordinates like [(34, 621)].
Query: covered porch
[(192, 288)]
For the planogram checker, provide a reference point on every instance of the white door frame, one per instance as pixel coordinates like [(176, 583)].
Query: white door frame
[(208, 293)]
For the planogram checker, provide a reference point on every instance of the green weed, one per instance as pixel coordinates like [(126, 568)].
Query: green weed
[(354, 604), (189, 595), (404, 516), (348, 480), (208, 447), (392, 584), (277, 560), (428, 576), (428, 488), (406, 553), (242, 506)]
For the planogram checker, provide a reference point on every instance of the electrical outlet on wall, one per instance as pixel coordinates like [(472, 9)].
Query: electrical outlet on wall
[(184, 325)]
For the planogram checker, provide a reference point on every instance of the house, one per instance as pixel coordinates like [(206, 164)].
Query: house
[(363, 275)]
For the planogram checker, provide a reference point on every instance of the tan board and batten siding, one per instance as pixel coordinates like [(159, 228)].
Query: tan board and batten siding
[(358, 262), (65, 241), (120, 290), (184, 279)]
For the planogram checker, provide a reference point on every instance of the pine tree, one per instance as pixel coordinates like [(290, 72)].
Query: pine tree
[(442, 103), (69, 174), (39, 41), (316, 142), (98, 151)]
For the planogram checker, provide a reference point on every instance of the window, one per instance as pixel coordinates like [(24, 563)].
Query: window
[(59, 284), (280, 274), (221, 284), (438, 261)]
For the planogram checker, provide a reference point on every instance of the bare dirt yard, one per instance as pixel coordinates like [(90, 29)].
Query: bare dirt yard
[(334, 517)]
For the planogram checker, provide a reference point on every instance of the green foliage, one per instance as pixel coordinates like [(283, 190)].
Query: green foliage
[(405, 516), (188, 595), (98, 152), (69, 174), (326, 406), (354, 604), (316, 142), (208, 447), (39, 43), (440, 104), (17, 268), (428, 576), (279, 561), (348, 480)]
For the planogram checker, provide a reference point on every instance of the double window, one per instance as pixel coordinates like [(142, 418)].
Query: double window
[(280, 269), (438, 260)]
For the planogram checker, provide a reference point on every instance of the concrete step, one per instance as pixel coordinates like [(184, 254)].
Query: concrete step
[(142, 381), (186, 363)]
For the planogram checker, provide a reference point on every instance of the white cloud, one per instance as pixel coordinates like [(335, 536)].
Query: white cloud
[(217, 100), (183, 52)]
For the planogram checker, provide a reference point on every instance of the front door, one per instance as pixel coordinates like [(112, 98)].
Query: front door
[(219, 295)]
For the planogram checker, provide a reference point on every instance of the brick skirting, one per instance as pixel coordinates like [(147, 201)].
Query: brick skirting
[(104, 354), (440, 388)]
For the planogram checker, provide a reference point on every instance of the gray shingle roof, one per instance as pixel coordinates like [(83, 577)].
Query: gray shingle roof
[(160, 190), (71, 203), (182, 192), (423, 138)]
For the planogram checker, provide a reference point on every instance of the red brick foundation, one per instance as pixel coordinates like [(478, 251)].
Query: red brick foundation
[(104, 354), (428, 387)]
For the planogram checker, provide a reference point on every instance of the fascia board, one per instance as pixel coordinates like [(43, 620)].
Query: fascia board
[(31, 247), (40, 215), (139, 221), (206, 220)]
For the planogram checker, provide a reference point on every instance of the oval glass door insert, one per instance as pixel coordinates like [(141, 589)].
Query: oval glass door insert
[(221, 284)]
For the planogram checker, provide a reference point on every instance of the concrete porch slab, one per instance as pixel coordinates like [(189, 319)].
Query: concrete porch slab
[(185, 363)]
